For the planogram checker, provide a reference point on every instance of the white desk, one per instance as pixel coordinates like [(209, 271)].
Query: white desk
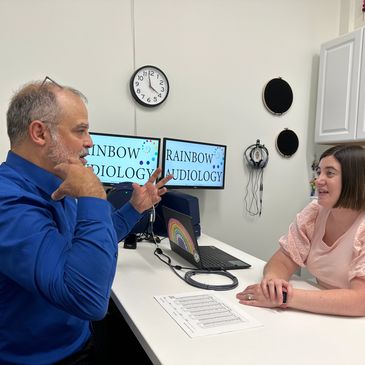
[(287, 336)]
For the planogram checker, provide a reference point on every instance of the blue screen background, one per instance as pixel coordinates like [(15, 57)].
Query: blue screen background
[(194, 164), (118, 159)]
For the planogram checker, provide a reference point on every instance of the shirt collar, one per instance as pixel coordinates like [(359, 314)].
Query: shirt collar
[(43, 179)]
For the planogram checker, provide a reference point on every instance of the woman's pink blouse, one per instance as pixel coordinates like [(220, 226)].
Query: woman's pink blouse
[(333, 266)]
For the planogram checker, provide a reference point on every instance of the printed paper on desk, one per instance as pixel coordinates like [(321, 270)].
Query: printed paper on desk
[(205, 314)]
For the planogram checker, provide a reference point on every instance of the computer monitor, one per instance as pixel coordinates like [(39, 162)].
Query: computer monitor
[(197, 165), (120, 158)]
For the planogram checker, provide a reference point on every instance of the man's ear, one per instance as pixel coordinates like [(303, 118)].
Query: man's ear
[(38, 132)]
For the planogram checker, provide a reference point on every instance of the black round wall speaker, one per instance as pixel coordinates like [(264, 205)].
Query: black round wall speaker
[(287, 143), (277, 96)]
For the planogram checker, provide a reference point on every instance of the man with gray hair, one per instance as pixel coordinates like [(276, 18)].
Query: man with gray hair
[(58, 234)]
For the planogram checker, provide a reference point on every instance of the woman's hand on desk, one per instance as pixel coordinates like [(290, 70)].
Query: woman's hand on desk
[(270, 293)]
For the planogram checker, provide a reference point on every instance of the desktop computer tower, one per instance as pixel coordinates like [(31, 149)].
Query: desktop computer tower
[(181, 202)]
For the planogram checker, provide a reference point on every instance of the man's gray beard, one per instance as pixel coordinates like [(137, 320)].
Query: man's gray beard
[(57, 152)]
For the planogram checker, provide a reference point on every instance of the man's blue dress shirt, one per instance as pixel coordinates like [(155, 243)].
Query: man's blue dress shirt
[(57, 264)]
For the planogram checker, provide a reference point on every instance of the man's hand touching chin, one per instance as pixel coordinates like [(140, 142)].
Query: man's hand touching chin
[(78, 181)]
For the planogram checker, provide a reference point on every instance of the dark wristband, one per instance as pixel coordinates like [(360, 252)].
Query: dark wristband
[(284, 297)]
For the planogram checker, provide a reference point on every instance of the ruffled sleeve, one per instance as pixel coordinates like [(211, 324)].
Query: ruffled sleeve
[(357, 267), (297, 242)]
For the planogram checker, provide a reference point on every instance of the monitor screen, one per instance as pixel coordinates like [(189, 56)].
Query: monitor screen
[(194, 164), (117, 158)]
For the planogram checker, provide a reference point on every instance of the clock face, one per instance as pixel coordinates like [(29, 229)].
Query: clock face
[(149, 86)]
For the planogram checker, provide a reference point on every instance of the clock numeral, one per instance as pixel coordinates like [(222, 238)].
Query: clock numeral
[(136, 83), (162, 89), (161, 82), (148, 100), (143, 95), (145, 73), (140, 77), (152, 73), (159, 95), (154, 99), (138, 91)]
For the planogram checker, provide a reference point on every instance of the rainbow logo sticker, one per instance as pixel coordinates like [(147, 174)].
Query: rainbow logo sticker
[(180, 236)]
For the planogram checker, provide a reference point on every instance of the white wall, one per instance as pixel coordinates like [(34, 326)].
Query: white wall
[(352, 16), (217, 54), (83, 43)]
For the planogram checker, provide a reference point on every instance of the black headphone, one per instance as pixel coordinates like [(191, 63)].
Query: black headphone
[(257, 155)]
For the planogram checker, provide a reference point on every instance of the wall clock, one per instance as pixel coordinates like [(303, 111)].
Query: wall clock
[(149, 86)]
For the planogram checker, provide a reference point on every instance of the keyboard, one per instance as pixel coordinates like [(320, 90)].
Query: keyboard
[(215, 259)]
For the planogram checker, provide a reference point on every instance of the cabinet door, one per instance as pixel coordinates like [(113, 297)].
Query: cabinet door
[(360, 132), (338, 89), (360, 129)]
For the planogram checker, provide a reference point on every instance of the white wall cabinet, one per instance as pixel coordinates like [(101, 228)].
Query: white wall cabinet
[(340, 115)]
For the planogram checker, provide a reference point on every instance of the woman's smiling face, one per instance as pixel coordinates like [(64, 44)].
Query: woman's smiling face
[(328, 182)]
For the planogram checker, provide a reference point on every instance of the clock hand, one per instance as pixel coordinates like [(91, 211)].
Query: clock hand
[(150, 83)]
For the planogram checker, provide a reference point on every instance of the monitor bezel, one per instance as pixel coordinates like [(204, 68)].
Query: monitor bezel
[(163, 174), (108, 185)]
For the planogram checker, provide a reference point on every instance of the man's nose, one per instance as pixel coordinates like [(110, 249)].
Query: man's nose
[(88, 142)]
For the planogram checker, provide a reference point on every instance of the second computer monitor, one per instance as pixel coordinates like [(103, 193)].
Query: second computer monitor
[(194, 164)]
